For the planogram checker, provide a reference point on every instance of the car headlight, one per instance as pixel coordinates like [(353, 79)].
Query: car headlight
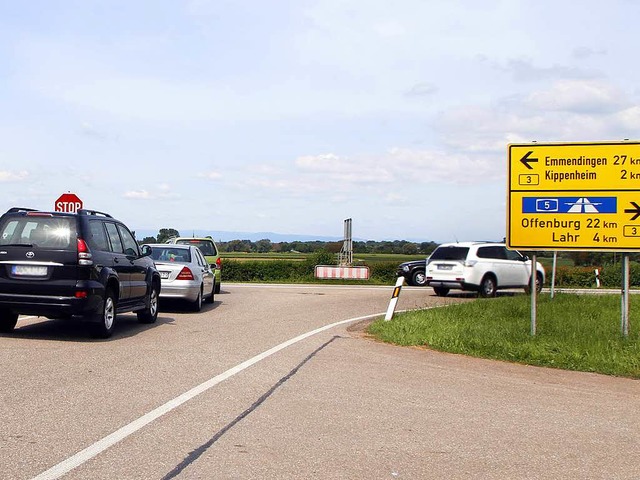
[(405, 268)]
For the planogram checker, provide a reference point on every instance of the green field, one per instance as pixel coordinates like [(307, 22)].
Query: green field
[(574, 332)]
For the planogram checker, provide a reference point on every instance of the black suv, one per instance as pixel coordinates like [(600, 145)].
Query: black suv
[(84, 265), (413, 272)]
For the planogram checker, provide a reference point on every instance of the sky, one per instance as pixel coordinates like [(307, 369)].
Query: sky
[(291, 116)]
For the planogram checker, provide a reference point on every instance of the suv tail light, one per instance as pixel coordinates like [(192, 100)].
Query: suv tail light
[(185, 274), (84, 254), (219, 263)]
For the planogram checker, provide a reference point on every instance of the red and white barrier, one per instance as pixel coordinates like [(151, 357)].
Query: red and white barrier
[(334, 271)]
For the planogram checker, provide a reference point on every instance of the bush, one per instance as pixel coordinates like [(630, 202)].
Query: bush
[(296, 271), (585, 277)]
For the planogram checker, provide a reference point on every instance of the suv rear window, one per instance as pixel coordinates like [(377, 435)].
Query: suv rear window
[(205, 246), (450, 253), (40, 231)]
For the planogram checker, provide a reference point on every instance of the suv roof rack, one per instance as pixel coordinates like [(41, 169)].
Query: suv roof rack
[(21, 209), (84, 211)]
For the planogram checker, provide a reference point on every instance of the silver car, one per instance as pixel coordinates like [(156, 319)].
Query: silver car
[(184, 273)]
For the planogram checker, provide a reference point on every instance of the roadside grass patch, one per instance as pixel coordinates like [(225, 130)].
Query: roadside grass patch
[(574, 332)]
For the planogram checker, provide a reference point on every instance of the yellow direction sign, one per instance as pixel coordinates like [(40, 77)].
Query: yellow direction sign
[(574, 196)]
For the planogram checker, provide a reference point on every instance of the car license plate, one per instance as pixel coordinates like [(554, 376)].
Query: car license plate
[(29, 270), (445, 267), (164, 274)]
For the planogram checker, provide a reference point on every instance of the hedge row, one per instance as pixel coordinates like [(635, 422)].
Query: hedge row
[(610, 276), (385, 272), (294, 271)]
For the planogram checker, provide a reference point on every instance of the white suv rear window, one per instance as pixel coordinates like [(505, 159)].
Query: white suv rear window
[(450, 253)]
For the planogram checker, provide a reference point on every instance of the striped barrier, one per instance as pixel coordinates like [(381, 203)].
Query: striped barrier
[(334, 271)]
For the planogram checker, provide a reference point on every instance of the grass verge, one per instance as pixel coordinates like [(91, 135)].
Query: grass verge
[(574, 332)]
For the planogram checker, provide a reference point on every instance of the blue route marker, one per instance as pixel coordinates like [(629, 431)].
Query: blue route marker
[(589, 205)]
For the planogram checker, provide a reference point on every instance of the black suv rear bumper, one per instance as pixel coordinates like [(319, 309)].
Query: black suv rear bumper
[(53, 306)]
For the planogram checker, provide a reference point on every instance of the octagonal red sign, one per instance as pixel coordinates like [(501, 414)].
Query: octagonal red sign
[(68, 202)]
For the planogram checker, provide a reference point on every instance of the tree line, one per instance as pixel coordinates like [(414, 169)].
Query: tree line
[(403, 247), (267, 246)]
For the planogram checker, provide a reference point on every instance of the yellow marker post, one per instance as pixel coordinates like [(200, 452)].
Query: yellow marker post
[(394, 299)]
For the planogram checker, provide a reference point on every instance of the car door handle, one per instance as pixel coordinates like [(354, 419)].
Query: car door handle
[(116, 260)]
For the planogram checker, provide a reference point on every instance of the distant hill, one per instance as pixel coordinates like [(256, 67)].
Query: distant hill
[(223, 236)]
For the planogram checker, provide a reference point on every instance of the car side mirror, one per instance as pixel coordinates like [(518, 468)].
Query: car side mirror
[(525, 258), (146, 250)]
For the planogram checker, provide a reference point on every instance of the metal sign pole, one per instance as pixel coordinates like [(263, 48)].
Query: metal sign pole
[(534, 293), (553, 273), (624, 320)]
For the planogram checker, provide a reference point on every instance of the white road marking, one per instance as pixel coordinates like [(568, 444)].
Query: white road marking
[(101, 445)]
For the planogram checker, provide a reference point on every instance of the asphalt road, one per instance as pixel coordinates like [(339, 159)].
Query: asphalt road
[(203, 396)]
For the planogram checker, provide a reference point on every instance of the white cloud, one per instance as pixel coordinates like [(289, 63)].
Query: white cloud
[(138, 195), (163, 192), (579, 97), (523, 70), (9, 176), (213, 175), (421, 89)]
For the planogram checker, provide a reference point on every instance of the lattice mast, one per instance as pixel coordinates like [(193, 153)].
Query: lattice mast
[(345, 257)]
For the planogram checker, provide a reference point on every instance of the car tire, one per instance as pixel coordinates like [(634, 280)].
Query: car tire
[(488, 287), (527, 288), (8, 321), (216, 290), (441, 291), (150, 314), (419, 279), (210, 298), (106, 319), (196, 306)]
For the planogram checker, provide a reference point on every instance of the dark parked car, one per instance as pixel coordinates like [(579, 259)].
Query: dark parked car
[(84, 265), (413, 272)]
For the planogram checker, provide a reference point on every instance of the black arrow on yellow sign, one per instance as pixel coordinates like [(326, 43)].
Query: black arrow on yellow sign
[(635, 210), (526, 160)]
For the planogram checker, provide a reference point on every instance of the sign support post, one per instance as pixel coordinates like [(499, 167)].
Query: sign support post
[(553, 273), (624, 320), (534, 294)]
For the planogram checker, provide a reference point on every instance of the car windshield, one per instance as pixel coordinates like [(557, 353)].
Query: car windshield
[(205, 246), (169, 254), (449, 253), (39, 231)]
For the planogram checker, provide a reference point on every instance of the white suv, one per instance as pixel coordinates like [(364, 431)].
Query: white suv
[(479, 266)]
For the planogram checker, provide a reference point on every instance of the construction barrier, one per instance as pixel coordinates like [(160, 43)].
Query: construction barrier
[(334, 271)]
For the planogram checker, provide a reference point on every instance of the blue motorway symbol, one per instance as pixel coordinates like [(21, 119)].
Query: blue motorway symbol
[(569, 205)]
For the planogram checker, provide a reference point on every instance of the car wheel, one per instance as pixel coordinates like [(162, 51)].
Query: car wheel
[(8, 321), (150, 314), (196, 306), (210, 298), (488, 287), (217, 290), (527, 289), (441, 291), (419, 279), (106, 320)]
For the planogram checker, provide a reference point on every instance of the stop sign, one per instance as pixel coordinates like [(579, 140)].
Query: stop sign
[(68, 202)]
